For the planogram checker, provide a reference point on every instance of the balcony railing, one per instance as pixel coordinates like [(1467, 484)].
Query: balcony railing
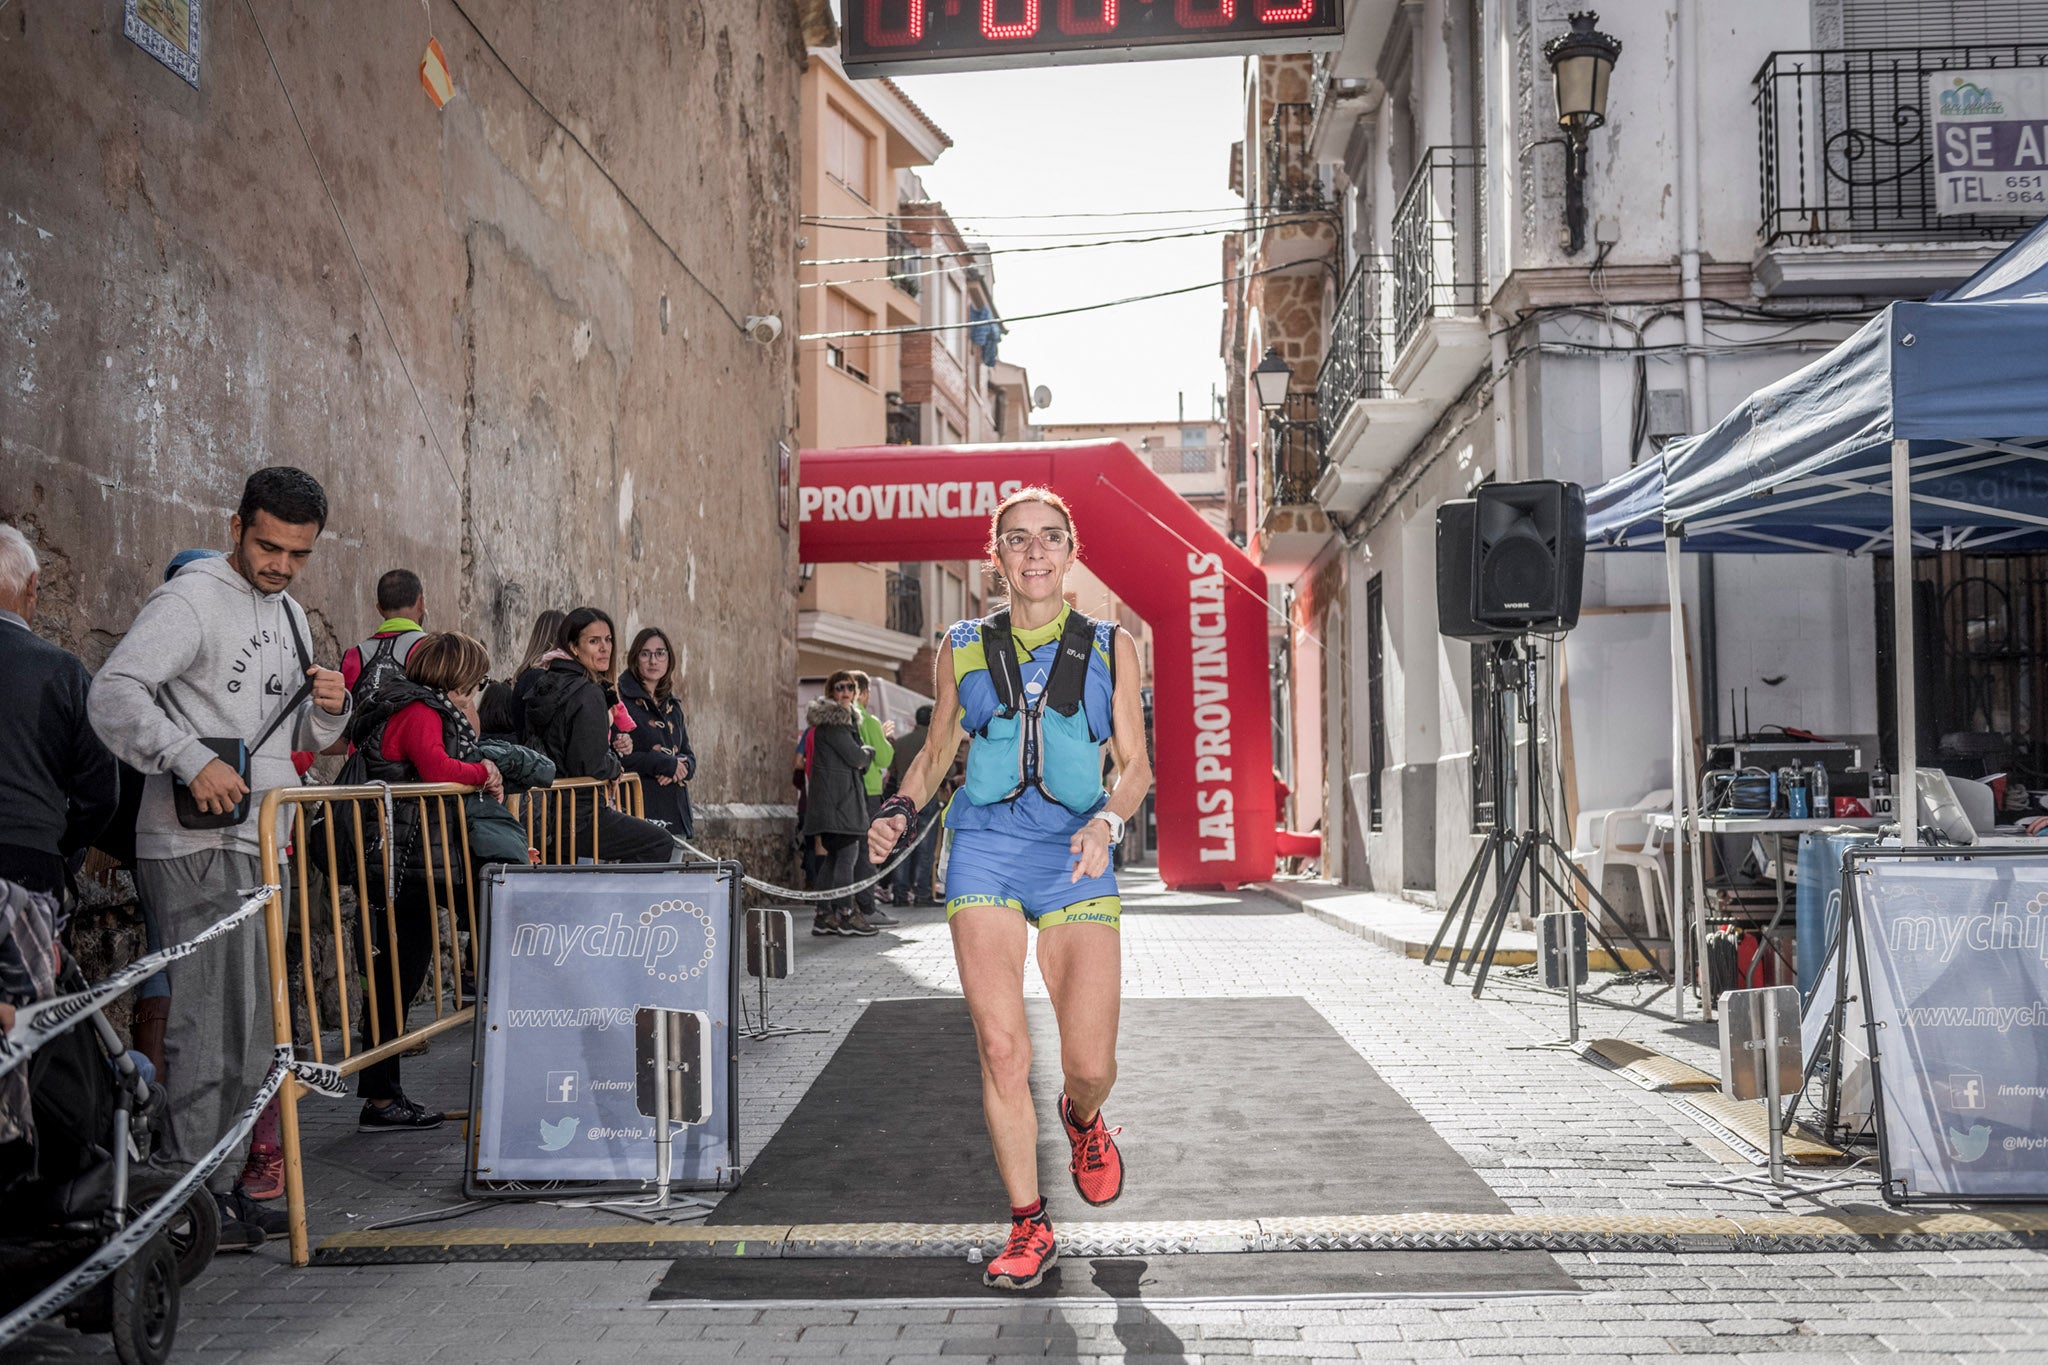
[(905, 607), (1183, 459), (905, 424), (1845, 151), (1294, 441), (1355, 365), (1291, 180), (1437, 240), (906, 263)]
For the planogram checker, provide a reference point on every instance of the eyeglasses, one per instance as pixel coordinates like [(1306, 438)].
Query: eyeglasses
[(847, 687), (1052, 538), (653, 652)]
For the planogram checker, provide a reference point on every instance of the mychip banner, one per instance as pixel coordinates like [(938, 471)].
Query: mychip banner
[(1954, 952), (571, 955)]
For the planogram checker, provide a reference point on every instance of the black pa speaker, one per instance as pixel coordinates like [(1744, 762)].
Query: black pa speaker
[(1528, 555), (1455, 523)]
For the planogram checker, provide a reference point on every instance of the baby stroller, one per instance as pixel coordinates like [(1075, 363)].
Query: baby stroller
[(72, 1181)]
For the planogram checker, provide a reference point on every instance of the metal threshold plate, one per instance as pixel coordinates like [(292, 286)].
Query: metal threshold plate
[(1745, 1123), (1650, 1069), (1538, 1231)]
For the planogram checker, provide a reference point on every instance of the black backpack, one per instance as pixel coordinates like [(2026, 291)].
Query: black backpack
[(383, 659)]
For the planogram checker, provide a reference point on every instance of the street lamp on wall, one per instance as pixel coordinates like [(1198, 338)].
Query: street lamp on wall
[(1271, 380), (1580, 63)]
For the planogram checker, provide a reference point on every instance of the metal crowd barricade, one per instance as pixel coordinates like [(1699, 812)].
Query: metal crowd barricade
[(332, 822)]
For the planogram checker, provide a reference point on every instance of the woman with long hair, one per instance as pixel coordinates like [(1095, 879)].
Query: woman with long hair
[(540, 642), (540, 639), (661, 751), (1041, 688), (569, 718)]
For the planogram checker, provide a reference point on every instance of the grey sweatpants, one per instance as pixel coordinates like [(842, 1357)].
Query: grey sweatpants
[(218, 1046)]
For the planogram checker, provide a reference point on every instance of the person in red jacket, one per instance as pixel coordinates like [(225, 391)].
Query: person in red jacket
[(413, 729)]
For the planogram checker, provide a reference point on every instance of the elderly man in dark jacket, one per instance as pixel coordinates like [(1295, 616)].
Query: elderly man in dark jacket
[(58, 783), (836, 806)]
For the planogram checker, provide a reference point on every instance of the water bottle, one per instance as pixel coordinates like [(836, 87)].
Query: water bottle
[(1880, 791), (1817, 780), (1796, 792)]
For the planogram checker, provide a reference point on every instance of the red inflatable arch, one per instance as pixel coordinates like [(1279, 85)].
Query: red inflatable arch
[(1205, 602)]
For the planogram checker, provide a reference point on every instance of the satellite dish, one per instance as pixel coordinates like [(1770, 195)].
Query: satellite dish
[(1041, 397)]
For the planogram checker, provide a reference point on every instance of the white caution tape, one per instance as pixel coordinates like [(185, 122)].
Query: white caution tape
[(38, 1023), (837, 892), (323, 1077), (135, 1234)]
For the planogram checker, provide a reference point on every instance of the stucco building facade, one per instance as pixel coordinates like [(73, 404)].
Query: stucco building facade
[(1408, 258), (505, 333)]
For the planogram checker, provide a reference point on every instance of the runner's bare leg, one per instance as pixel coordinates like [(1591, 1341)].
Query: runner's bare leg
[(989, 946), (1083, 969)]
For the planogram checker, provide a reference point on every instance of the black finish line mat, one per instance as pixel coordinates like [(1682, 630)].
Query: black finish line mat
[(1237, 1109)]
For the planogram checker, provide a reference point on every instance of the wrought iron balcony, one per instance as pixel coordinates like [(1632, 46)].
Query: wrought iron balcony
[(1355, 364), (906, 263), (905, 601), (906, 421), (1844, 148), (1438, 240), (1294, 449), (1291, 180)]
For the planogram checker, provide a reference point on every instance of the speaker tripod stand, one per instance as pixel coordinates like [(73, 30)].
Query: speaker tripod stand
[(1511, 673)]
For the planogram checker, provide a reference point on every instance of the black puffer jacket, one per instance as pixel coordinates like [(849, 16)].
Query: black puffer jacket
[(366, 732), (661, 748), (836, 801), (568, 718)]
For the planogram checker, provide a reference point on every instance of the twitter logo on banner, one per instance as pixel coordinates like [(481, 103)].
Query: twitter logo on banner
[(558, 1134), (1971, 1145)]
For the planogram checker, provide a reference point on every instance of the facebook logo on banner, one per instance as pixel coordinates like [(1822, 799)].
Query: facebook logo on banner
[(562, 1086), (1966, 1090)]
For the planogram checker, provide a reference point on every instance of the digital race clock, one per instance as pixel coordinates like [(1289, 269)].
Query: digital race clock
[(898, 37)]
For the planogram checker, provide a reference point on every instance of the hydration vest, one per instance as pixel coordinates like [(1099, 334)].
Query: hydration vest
[(1048, 746), (383, 658)]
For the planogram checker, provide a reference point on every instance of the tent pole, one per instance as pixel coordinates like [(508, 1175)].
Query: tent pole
[(1907, 783), (1683, 832)]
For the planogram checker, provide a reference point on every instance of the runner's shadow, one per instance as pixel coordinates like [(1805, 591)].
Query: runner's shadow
[(1137, 1327)]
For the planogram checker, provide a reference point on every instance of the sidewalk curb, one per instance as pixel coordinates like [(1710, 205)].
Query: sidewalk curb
[(1300, 894)]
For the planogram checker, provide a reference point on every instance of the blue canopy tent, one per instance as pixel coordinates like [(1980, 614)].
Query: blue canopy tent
[(1928, 426)]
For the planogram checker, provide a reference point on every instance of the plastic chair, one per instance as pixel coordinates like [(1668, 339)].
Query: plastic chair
[(1625, 837)]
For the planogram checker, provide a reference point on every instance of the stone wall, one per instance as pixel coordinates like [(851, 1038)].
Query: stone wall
[(518, 370)]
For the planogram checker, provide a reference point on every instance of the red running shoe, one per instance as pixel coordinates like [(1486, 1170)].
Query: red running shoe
[(263, 1175), (1098, 1167), (1025, 1257)]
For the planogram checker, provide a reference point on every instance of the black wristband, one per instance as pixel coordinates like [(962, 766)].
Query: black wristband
[(902, 805)]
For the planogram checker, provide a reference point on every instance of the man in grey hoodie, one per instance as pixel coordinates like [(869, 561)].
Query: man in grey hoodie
[(218, 651)]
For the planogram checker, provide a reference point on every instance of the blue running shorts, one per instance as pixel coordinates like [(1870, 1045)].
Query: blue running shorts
[(1031, 875)]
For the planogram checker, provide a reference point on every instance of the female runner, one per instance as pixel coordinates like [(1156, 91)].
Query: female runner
[(1040, 688)]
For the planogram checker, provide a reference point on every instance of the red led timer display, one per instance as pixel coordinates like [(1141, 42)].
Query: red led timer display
[(881, 37)]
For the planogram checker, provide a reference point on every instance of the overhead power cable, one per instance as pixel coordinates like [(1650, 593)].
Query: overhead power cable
[(602, 169), (1053, 313), (1070, 246), (912, 215), (362, 273), (1238, 222)]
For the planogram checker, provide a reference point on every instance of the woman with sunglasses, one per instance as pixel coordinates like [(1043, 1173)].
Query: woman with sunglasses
[(1041, 688)]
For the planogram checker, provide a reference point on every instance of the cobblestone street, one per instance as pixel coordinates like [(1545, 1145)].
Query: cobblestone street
[(1547, 1131)]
